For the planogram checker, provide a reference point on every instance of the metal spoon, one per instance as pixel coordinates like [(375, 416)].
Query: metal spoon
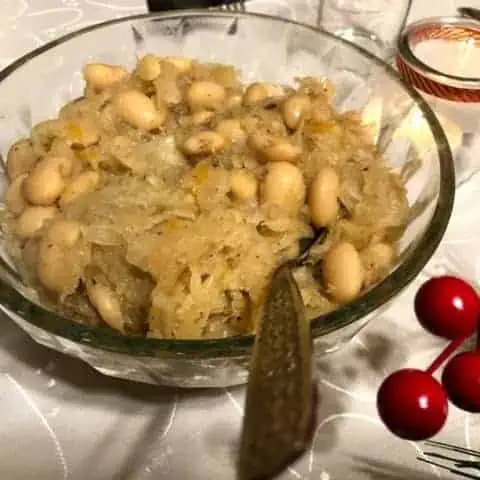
[(280, 406), (469, 12), (280, 409)]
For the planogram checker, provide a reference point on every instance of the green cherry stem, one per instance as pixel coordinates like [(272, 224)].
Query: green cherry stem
[(448, 350)]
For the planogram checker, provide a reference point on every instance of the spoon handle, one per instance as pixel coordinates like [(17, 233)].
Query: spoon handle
[(280, 403), (469, 12)]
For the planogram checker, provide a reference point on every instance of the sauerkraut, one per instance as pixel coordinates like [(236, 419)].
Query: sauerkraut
[(161, 201)]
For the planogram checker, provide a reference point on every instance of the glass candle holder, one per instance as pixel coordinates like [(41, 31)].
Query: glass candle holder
[(440, 57)]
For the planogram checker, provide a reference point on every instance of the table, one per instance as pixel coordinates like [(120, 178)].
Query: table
[(62, 420)]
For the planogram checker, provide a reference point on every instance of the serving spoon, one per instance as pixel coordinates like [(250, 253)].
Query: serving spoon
[(280, 407)]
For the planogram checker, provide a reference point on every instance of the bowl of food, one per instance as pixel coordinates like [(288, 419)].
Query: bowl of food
[(159, 168)]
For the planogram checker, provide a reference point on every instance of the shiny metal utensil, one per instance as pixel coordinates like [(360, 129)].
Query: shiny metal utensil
[(234, 7), (164, 5), (469, 12), (464, 462), (281, 398)]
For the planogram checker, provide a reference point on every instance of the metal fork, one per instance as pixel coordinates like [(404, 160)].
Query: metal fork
[(234, 7), (224, 5), (461, 461)]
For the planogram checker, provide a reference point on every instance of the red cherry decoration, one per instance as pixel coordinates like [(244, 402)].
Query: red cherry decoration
[(447, 307), (461, 379), (412, 404)]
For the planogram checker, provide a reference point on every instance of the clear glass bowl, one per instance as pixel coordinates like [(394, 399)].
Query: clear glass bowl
[(263, 48)]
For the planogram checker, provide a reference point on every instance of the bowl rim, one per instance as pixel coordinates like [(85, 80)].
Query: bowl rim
[(407, 52), (102, 338)]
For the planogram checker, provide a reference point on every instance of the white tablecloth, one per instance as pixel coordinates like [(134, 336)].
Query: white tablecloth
[(61, 420)]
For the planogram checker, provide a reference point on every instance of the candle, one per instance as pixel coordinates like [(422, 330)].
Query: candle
[(459, 58)]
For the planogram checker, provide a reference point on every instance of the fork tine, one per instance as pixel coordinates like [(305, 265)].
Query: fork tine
[(440, 456), (234, 7), (456, 471), (457, 462), (473, 464), (452, 448)]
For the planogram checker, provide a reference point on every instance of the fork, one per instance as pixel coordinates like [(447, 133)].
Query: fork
[(234, 7), (464, 462)]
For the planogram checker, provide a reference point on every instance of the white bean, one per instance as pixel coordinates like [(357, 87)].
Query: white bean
[(64, 232), (201, 117), (251, 124), (234, 101), (273, 148), (148, 68), (52, 269), (382, 254), (100, 76), (323, 197), (58, 266), (46, 182), (14, 199), (343, 273), (284, 186), (107, 304), (32, 219), (204, 94), (20, 159), (231, 129), (203, 143), (139, 110), (377, 258), (83, 183), (258, 92), (294, 109), (167, 92), (244, 185), (182, 64)]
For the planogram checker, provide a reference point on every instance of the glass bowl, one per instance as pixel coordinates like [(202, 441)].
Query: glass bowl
[(266, 49)]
